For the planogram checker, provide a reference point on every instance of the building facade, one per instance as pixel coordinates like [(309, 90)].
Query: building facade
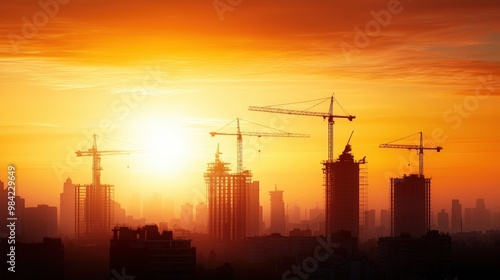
[(410, 205)]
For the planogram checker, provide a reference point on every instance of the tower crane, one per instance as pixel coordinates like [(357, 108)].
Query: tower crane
[(239, 140), (96, 159), (329, 115), (420, 149)]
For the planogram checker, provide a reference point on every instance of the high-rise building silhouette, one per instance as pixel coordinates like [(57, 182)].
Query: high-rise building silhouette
[(67, 209), (227, 200), (456, 216), (201, 217), (94, 211), (293, 213), (278, 223), (120, 214), (345, 196), (481, 216), (370, 224), (253, 209), (40, 222), (443, 221), (410, 205), (187, 215)]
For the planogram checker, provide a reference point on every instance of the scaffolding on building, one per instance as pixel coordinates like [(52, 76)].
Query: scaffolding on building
[(94, 211), (227, 200), (345, 194)]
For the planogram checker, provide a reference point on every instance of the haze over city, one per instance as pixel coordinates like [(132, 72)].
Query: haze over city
[(419, 74)]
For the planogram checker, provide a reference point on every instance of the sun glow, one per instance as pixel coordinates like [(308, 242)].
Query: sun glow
[(165, 148)]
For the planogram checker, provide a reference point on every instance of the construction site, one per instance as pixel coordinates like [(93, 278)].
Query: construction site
[(234, 211), (345, 194), (345, 183), (227, 195), (94, 203), (410, 200)]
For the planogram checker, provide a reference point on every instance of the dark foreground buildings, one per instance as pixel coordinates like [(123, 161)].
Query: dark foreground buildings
[(146, 254), (44, 260), (407, 257)]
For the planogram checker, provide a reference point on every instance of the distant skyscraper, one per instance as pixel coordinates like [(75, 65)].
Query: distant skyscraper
[(201, 213), (120, 215), (294, 214), (40, 222), (187, 215), (278, 224), (456, 216), (262, 223), (253, 209), (316, 212), (443, 221), (67, 210), (410, 205), (202, 216), (481, 216), (343, 199), (369, 230)]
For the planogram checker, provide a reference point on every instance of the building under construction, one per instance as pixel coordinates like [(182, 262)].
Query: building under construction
[(227, 196), (411, 195), (93, 211), (94, 202), (410, 205), (345, 194)]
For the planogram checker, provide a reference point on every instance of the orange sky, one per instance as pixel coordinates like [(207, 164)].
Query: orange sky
[(433, 66)]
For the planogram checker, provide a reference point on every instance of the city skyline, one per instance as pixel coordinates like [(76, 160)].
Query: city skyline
[(186, 61), (114, 165)]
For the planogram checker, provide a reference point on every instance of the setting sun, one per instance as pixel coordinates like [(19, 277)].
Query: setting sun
[(165, 148)]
